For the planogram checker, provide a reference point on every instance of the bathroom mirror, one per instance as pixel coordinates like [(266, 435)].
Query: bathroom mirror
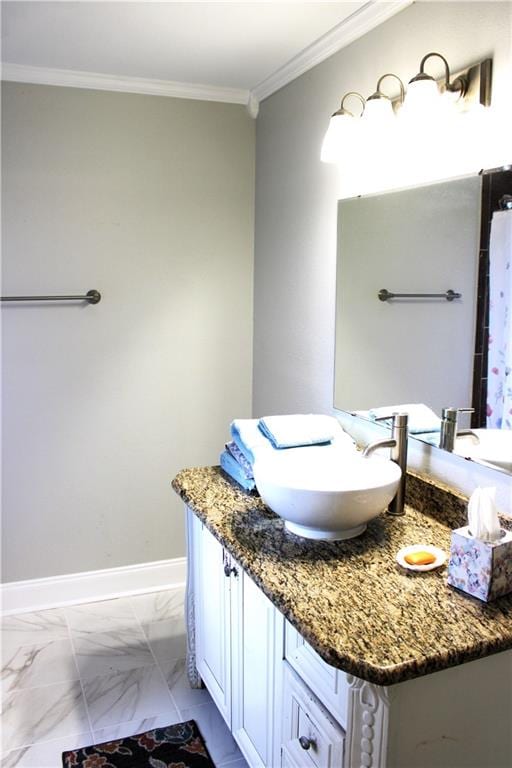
[(429, 239)]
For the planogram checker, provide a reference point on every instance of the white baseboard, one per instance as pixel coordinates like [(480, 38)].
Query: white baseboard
[(57, 591)]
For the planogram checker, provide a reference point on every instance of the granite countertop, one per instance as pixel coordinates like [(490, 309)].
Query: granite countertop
[(350, 600)]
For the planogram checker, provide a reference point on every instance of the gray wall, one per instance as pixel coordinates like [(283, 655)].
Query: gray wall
[(296, 194), (149, 200)]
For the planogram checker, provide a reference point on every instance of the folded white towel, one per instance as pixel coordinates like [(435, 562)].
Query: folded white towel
[(421, 417)]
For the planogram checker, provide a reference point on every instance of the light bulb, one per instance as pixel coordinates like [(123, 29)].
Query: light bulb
[(378, 111), (339, 132), (422, 98)]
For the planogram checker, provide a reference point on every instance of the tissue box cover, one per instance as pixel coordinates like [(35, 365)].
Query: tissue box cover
[(480, 568)]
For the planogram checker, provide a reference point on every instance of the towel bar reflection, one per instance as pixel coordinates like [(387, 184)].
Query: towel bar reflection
[(91, 297), (385, 295)]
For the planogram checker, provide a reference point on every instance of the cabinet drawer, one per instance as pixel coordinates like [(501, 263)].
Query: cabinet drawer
[(327, 683), (311, 738)]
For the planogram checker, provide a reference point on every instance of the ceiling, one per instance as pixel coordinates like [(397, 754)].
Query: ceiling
[(236, 48)]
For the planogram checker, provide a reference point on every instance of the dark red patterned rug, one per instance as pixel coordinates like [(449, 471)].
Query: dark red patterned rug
[(176, 746)]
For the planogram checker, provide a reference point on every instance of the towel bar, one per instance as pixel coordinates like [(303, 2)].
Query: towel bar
[(91, 297), (385, 295)]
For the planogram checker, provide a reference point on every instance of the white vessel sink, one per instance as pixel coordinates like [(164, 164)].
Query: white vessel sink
[(323, 496), (493, 446)]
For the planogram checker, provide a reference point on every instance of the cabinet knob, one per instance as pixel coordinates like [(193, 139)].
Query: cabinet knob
[(230, 569), (305, 742)]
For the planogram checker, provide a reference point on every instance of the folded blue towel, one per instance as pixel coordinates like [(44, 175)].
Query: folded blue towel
[(237, 454), (249, 444), (314, 430), (248, 438), (234, 470), (294, 431), (421, 417)]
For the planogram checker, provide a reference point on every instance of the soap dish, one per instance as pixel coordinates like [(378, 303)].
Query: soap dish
[(440, 557)]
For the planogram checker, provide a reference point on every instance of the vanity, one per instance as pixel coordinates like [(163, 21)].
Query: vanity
[(328, 653)]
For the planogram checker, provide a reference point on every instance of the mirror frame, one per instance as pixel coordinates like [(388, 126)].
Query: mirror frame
[(495, 183)]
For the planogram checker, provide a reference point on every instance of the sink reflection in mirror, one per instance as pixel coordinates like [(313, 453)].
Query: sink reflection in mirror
[(423, 349), (492, 446)]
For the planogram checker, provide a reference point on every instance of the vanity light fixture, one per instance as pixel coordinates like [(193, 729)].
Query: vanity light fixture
[(426, 98)]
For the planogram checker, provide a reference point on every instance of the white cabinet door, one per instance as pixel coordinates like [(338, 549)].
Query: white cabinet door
[(258, 649), (213, 617)]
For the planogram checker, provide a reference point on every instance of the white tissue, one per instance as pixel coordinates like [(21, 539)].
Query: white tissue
[(483, 516)]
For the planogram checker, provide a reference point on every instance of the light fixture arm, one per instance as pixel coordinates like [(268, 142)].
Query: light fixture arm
[(343, 111), (459, 84), (379, 94)]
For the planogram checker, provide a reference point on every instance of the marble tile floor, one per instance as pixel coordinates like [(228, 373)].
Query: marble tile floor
[(99, 671)]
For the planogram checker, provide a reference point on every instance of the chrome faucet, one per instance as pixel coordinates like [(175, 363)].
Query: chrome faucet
[(449, 430), (398, 445)]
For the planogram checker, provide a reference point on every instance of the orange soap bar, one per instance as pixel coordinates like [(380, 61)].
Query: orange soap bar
[(420, 558)]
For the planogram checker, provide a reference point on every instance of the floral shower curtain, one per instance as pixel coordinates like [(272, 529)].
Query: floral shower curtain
[(499, 375)]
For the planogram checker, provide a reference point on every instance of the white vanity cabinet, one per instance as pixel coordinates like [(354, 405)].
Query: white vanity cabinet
[(241, 641), (287, 708), (257, 643), (214, 588), (238, 647)]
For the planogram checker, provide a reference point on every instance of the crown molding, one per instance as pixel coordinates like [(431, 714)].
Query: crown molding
[(366, 18), (372, 14), (21, 73), (253, 105)]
